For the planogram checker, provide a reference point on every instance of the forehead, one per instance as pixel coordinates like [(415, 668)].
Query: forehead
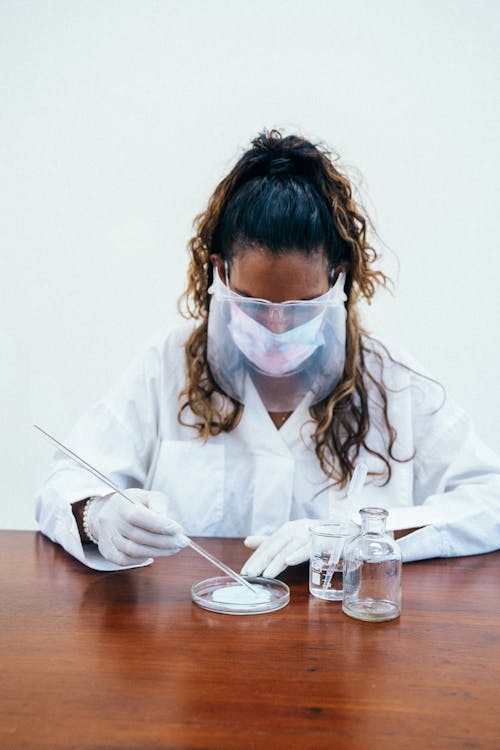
[(287, 276)]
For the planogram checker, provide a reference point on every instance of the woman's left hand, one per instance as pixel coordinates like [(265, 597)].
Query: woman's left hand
[(287, 546)]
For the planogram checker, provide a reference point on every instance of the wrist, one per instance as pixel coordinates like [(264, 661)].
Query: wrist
[(87, 525), (90, 514)]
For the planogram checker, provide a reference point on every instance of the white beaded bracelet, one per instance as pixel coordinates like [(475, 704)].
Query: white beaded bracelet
[(86, 527)]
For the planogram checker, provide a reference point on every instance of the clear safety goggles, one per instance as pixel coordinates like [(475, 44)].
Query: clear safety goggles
[(287, 349), (279, 316)]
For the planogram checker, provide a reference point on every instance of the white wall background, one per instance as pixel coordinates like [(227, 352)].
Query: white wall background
[(118, 118)]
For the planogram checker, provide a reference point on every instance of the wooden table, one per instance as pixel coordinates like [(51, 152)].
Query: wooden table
[(125, 660)]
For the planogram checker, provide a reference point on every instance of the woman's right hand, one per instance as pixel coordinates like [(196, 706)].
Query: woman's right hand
[(130, 534)]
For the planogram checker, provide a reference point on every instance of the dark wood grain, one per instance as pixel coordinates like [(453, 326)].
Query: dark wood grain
[(126, 660)]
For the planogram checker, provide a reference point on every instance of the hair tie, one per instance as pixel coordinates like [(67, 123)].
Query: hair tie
[(279, 165)]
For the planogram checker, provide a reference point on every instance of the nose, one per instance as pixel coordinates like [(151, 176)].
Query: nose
[(275, 321)]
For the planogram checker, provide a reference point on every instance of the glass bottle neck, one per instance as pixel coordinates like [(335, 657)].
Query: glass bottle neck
[(373, 520)]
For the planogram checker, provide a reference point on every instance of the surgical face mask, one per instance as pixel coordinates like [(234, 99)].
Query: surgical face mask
[(275, 354), (295, 348)]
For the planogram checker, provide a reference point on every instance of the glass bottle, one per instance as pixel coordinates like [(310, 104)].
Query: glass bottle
[(372, 571)]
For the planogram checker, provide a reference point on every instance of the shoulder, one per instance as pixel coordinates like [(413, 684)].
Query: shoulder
[(379, 351), (394, 362), (411, 389), (397, 371), (170, 340), (164, 348), (160, 360)]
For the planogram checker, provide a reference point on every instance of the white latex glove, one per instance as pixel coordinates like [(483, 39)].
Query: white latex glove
[(287, 546), (131, 534)]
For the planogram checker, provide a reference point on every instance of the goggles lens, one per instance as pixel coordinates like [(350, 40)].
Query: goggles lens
[(279, 316), (287, 351)]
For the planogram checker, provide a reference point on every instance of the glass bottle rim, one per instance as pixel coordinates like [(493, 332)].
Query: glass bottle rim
[(374, 512)]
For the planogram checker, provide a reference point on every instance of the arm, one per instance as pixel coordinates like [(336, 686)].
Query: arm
[(118, 436), (456, 492), (403, 532), (77, 510), (454, 479)]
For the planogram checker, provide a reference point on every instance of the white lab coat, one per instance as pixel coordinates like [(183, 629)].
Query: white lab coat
[(255, 478)]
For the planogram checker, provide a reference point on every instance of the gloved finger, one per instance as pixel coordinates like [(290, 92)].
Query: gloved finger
[(152, 499), (157, 502), (149, 520), (299, 556), (252, 542), (264, 554), (167, 552), (277, 566), (109, 551), (154, 541), (141, 496), (289, 551), (134, 551)]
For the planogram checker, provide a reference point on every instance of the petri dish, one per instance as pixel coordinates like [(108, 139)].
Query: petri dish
[(224, 594)]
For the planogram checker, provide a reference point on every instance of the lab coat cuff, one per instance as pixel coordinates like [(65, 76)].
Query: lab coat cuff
[(68, 536), (423, 544), (413, 517), (87, 492)]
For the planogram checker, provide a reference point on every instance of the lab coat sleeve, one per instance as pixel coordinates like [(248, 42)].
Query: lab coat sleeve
[(117, 436), (456, 491)]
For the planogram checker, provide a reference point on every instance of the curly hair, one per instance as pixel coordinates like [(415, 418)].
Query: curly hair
[(283, 194)]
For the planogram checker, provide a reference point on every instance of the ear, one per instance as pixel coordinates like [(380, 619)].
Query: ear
[(343, 267), (218, 262)]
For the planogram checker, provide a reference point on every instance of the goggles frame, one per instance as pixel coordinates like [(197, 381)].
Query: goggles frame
[(288, 314)]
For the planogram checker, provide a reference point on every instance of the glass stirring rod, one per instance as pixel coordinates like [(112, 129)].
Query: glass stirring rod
[(356, 484), (200, 550)]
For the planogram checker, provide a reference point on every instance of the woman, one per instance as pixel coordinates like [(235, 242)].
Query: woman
[(248, 419)]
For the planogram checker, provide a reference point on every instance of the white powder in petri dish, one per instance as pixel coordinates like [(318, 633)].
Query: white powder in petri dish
[(242, 595)]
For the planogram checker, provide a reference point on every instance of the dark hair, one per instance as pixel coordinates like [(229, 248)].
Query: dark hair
[(287, 194), (278, 206)]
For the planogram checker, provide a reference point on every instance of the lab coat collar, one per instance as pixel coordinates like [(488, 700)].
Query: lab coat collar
[(258, 428)]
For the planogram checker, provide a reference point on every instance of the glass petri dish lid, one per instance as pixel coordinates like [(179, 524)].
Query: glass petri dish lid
[(225, 595)]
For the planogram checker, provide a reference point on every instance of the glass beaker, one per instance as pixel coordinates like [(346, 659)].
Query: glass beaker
[(327, 557), (372, 571)]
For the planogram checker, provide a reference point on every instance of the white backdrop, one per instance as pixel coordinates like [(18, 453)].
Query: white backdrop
[(118, 118)]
